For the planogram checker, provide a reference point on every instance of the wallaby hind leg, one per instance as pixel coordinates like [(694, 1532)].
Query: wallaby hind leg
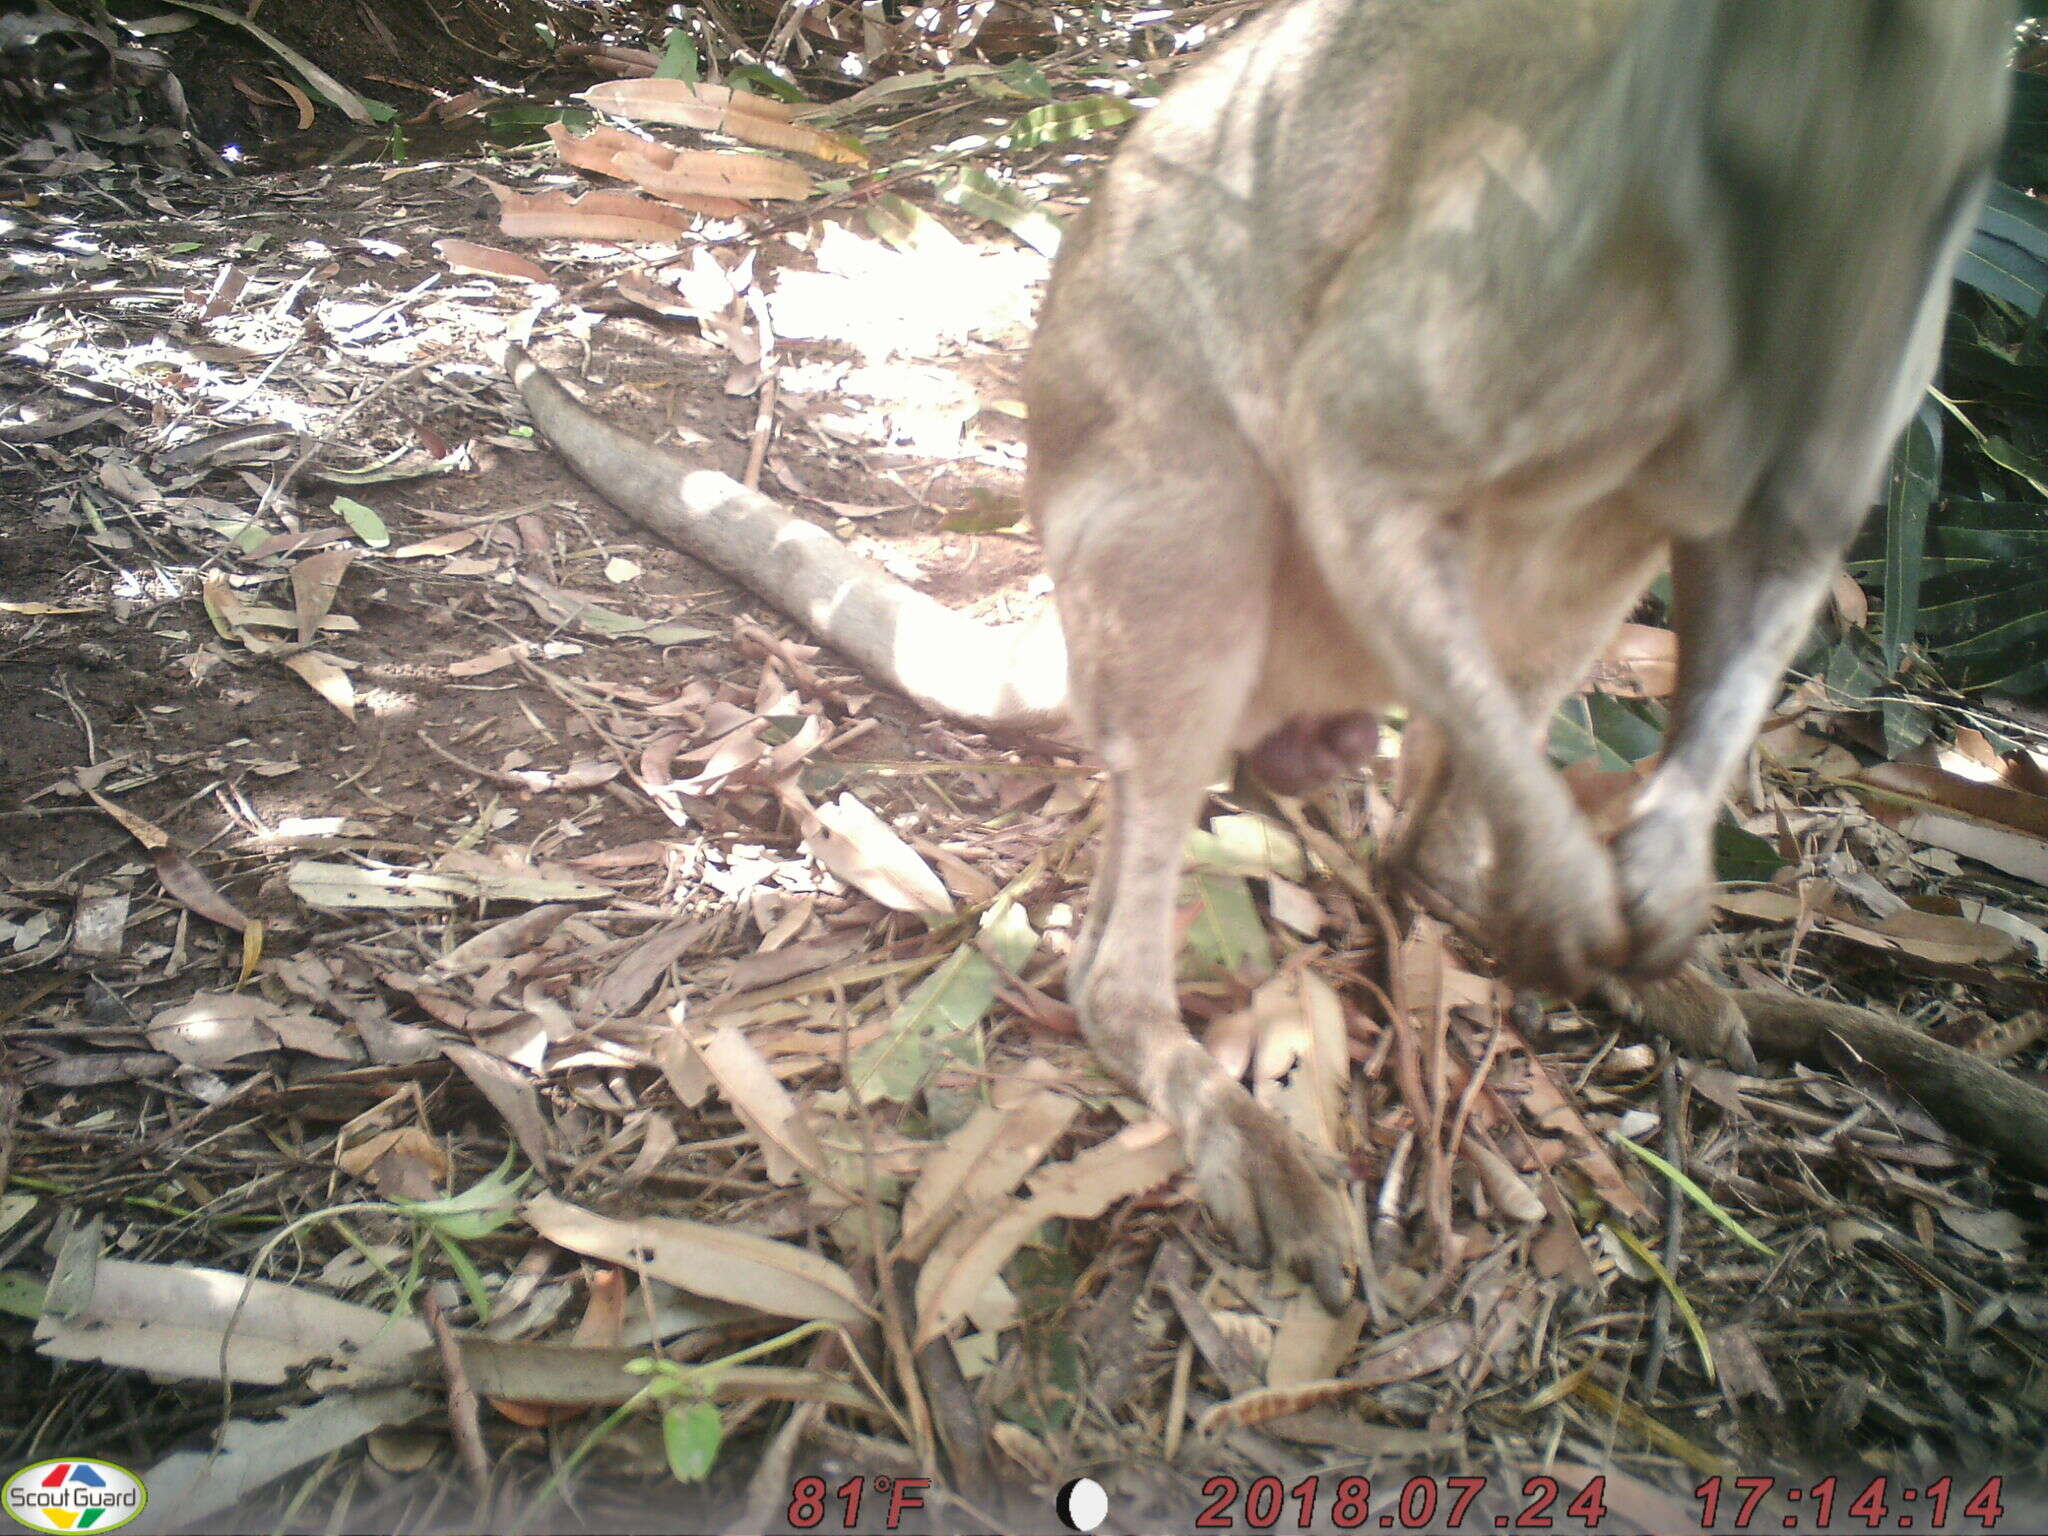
[(1552, 908), (1444, 842), (1741, 605), (1161, 687)]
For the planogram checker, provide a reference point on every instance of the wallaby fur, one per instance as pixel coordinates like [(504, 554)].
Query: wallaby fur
[(1399, 347)]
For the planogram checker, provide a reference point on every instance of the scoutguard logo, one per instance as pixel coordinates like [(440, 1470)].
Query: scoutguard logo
[(76, 1494)]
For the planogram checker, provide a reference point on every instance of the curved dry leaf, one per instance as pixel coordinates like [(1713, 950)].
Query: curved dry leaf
[(299, 99), (325, 676), (863, 850), (1505, 1187), (715, 109), (1640, 662), (592, 151), (189, 888), (716, 173), (684, 103), (762, 1105), (316, 580), (450, 543), (1136, 1159), (988, 1156), (720, 1262), (594, 216), (514, 936), (489, 261), (213, 1029), (141, 828)]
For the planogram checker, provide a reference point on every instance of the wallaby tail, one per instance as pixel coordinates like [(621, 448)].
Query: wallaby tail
[(996, 678)]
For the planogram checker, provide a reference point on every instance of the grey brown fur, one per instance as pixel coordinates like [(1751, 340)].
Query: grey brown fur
[(1399, 347)]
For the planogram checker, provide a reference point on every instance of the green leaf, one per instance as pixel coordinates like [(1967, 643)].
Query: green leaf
[(690, 1436), (21, 1295), (1852, 672), (1741, 855), (1623, 727), (467, 1274), (475, 1212), (1021, 81), (940, 1017), (765, 82), (900, 223), (987, 511), (1226, 937), (974, 191), (1572, 739), (1246, 845), (363, 521), (1061, 120), (678, 58), (2008, 254), (1915, 480)]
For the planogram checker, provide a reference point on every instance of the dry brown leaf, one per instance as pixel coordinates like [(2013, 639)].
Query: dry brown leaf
[(215, 1028), (511, 1093), (1551, 1109), (724, 1263), (1136, 1159), (683, 103), (1505, 1187), (316, 580), (763, 1105), (401, 1164), (325, 675), (594, 216), (1851, 603), (1792, 746), (440, 544), (598, 152), (512, 936), (676, 1054), (1997, 803), (986, 1158), (1640, 662), (141, 828), (1301, 1058), (494, 660), (191, 889), (715, 109), (1310, 1344), (210, 1324), (691, 173), (299, 99), (595, 150), (489, 261), (864, 851)]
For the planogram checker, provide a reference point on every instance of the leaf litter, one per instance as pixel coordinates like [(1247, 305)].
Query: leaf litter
[(499, 851)]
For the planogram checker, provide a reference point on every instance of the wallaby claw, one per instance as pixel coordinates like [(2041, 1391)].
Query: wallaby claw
[(1262, 1184)]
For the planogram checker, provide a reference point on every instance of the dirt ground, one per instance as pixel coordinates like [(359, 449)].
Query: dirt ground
[(329, 884)]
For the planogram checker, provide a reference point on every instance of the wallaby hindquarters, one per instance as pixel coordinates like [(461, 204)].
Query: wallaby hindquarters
[(1398, 349)]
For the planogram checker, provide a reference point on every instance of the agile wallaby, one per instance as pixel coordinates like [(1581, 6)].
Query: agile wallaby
[(1399, 347)]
